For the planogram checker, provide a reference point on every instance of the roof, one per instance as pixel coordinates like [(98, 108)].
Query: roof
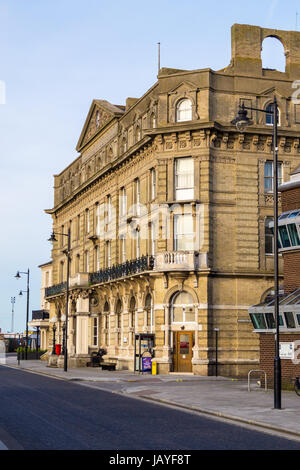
[(289, 299)]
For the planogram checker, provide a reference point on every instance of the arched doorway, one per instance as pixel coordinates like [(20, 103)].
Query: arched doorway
[(182, 313)]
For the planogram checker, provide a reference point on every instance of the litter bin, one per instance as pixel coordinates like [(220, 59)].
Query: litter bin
[(57, 349), (154, 368)]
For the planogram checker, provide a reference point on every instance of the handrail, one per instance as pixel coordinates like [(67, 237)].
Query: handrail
[(256, 370)]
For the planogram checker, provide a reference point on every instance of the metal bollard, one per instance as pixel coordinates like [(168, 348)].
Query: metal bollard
[(18, 357)]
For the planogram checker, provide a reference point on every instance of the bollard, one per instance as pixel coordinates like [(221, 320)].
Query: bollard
[(18, 356)]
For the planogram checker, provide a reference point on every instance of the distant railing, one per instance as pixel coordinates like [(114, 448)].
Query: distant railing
[(40, 315), (54, 290), (144, 263)]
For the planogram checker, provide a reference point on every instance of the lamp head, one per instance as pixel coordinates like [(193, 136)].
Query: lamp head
[(52, 238), (242, 121), (20, 293), (17, 276)]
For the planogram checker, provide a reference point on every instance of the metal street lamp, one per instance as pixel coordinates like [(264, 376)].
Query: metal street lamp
[(37, 341), (241, 122), (65, 331), (13, 300), (17, 276), (216, 331)]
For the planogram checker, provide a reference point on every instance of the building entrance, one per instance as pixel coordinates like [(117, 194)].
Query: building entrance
[(183, 344)]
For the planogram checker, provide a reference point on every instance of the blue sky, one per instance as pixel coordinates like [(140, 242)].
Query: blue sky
[(56, 56)]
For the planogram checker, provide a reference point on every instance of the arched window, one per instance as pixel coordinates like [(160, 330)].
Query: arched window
[(182, 308), (137, 134), (270, 115), (184, 110), (149, 310), (153, 121)]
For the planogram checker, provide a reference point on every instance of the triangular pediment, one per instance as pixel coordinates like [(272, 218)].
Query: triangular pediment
[(100, 114), (184, 86), (273, 91)]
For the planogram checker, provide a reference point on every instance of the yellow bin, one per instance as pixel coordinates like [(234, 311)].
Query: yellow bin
[(154, 368)]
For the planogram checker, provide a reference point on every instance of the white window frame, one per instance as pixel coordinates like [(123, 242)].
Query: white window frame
[(271, 178), (181, 186), (184, 110)]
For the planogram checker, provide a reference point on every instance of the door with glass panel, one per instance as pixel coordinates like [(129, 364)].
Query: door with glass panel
[(183, 345)]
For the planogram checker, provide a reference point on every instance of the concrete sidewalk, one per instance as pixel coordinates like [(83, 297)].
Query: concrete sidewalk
[(215, 396)]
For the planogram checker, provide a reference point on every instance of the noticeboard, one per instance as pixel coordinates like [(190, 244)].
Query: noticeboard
[(286, 351)]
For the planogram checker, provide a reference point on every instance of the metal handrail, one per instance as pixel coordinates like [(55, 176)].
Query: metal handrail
[(256, 370)]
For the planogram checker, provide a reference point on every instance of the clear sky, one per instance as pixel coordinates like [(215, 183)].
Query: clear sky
[(56, 56)]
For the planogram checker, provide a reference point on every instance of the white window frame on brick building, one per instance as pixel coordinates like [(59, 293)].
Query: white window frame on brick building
[(184, 178)]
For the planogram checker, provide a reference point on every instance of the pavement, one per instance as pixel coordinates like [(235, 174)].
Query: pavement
[(221, 397)]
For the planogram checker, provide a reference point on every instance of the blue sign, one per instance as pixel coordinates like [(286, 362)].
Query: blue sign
[(146, 363)]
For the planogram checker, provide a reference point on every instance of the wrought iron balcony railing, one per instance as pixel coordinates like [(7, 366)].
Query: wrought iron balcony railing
[(145, 263), (54, 290), (40, 315)]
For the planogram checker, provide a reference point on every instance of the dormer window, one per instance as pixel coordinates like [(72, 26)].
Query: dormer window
[(184, 110)]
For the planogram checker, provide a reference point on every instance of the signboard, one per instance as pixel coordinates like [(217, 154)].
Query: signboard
[(147, 363), (286, 350)]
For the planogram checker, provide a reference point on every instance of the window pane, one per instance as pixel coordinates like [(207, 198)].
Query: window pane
[(293, 234), (269, 248), (270, 320), (258, 321), (178, 314), (298, 319), (189, 314), (284, 236), (183, 232), (184, 178), (290, 321)]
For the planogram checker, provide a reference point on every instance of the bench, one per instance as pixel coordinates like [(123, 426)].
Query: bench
[(108, 365)]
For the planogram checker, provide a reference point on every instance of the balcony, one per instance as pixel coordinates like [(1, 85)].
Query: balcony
[(55, 290), (40, 315), (180, 261), (162, 262), (139, 265)]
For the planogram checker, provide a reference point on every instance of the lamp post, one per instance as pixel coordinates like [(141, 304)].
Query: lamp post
[(65, 332), (13, 300), (216, 331), (37, 341), (242, 122), (17, 276)]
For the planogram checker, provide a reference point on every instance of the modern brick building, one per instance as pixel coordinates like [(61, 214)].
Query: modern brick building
[(169, 208), (262, 315)]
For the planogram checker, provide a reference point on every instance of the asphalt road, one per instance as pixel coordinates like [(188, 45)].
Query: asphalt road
[(41, 413)]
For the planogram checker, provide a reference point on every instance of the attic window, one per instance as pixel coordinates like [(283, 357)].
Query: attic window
[(184, 110)]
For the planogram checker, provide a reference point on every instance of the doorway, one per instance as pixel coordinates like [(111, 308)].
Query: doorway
[(183, 353)]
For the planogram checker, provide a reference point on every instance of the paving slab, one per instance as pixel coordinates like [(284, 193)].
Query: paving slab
[(216, 396)]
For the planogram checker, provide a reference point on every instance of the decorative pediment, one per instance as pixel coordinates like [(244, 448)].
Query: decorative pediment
[(100, 114), (273, 91), (185, 86)]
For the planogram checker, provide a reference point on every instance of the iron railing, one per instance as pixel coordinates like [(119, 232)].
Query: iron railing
[(144, 263), (40, 315), (54, 290)]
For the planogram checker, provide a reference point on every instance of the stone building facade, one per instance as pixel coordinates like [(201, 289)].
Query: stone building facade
[(168, 205)]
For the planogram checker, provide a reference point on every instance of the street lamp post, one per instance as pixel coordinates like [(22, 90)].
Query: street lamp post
[(13, 300), (65, 333), (216, 331), (241, 122), (37, 342), (17, 276)]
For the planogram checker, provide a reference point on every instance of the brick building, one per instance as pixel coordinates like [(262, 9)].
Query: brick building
[(169, 208), (262, 315)]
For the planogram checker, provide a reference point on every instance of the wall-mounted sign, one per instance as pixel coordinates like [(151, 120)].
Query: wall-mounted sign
[(286, 350)]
